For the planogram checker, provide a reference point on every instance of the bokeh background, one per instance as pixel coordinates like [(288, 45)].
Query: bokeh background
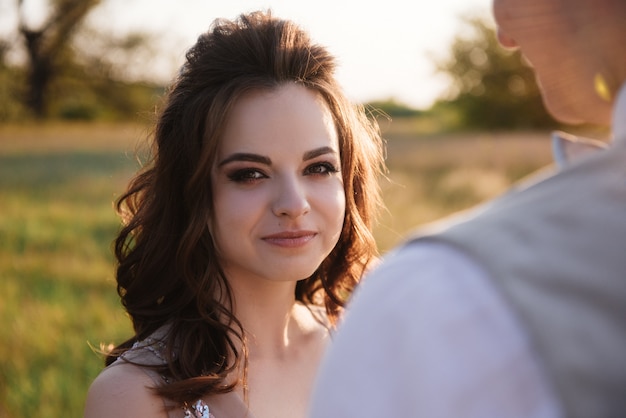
[(80, 81)]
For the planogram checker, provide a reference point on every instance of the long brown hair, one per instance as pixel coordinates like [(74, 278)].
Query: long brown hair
[(167, 272)]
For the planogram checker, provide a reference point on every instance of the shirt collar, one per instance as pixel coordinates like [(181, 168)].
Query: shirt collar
[(568, 148), (619, 116)]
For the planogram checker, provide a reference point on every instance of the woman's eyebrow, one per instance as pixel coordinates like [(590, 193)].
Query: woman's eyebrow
[(256, 158), (317, 152), (243, 156)]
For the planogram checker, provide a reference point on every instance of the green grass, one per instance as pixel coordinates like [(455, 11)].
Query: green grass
[(57, 293), (57, 187)]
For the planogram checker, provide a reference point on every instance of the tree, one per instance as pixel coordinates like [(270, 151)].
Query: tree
[(492, 87), (46, 44)]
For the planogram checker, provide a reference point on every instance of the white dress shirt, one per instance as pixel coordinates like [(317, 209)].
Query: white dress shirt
[(418, 344)]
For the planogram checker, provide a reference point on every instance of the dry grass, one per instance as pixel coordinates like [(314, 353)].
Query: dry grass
[(57, 137), (433, 176)]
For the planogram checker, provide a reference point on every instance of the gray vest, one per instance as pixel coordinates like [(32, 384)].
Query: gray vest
[(556, 251)]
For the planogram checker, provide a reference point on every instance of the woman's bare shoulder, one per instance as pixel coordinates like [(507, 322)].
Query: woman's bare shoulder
[(123, 389)]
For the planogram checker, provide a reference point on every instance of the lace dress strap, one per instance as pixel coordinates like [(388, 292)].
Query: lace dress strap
[(198, 410), (151, 352)]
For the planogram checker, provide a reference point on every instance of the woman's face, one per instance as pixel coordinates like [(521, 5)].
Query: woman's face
[(279, 199)]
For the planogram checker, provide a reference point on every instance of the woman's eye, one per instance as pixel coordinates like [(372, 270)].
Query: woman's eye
[(247, 175), (321, 169)]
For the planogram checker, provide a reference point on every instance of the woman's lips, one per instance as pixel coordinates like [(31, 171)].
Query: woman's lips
[(290, 239)]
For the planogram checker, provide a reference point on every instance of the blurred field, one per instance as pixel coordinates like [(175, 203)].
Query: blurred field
[(433, 175), (57, 185)]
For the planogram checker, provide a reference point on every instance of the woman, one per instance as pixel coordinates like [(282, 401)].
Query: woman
[(247, 233)]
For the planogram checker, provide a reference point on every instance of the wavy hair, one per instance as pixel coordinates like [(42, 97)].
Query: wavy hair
[(167, 269)]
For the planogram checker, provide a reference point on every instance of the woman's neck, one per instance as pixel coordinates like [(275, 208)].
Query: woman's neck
[(269, 314)]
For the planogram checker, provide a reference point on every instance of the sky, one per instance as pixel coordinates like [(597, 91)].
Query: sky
[(384, 49)]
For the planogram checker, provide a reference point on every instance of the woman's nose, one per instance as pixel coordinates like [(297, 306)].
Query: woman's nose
[(291, 199)]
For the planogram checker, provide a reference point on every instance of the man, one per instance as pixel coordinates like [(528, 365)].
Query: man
[(518, 309)]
